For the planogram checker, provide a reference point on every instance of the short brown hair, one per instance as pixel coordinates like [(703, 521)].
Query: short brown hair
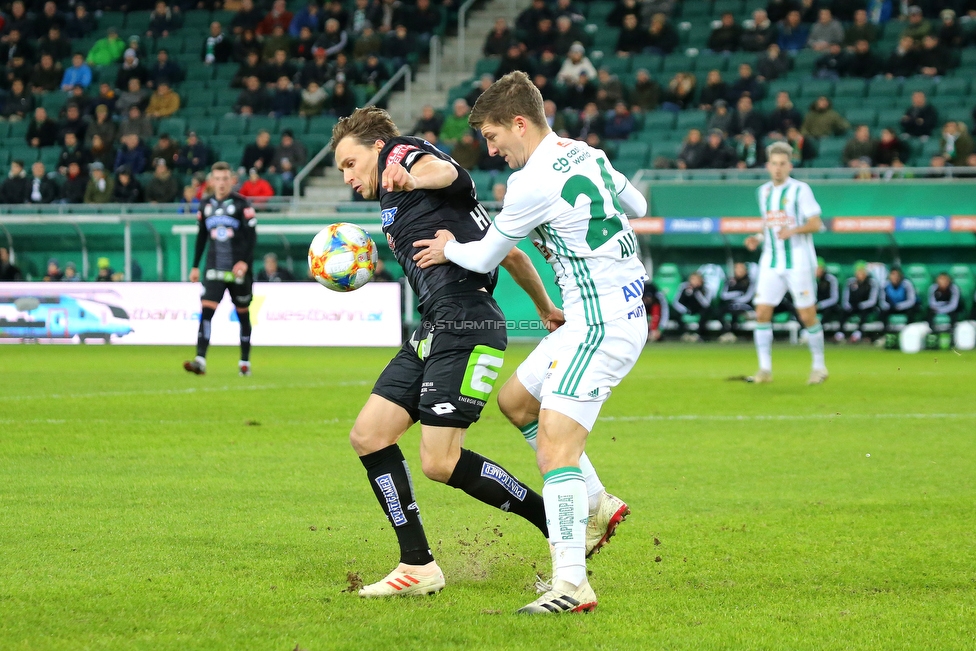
[(367, 125), (220, 166), (511, 96)]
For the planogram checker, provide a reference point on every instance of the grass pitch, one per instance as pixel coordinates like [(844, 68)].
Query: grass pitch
[(143, 508)]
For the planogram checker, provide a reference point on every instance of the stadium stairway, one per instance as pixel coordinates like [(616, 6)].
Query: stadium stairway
[(329, 188)]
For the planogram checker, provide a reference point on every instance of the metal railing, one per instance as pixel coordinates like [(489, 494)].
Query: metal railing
[(847, 174), (403, 73), (434, 59)]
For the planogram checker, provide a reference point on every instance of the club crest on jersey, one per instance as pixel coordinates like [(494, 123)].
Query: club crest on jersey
[(398, 153), (388, 215)]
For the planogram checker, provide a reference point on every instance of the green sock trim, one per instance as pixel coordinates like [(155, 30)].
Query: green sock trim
[(764, 326), (529, 431), (815, 329), (559, 475)]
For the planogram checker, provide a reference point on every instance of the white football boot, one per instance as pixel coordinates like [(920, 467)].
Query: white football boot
[(407, 580), (563, 597), (602, 523)]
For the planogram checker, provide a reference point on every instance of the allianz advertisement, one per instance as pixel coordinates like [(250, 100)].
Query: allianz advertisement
[(282, 314)]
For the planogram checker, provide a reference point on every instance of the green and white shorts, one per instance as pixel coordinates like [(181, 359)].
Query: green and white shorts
[(573, 370)]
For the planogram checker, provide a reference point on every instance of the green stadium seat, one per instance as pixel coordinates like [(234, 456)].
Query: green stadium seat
[(667, 277), (297, 123), (923, 84), (232, 154), (4, 156), (236, 126), (175, 127), (692, 120), (804, 61), (813, 88), (868, 116), (605, 40), (634, 150), (485, 66), (629, 166), (199, 73), (952, 86), (707, 62), (136, 22), (173, 44), (695, 11), (830, 149), (204, 127), (884, 88), (220, 143), (664, 148), (650, 62), (697, 35), (482, 182), (962, 275), (598, 11), (958, 114), (659, 121), (18, 130), (321, 125), (52, 102), (196, 20), (258, 122), (790, 86), (108, 19), (225, 72), (23, 152), (615, 65), (890, 118), (849, 88), (677, 63)]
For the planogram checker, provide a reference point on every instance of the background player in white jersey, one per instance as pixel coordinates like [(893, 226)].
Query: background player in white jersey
[(790, 215), (574, 206)]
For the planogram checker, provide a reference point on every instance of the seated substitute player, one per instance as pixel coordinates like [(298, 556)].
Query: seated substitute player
[(657, 308), (226, 219), (445, 373), (575, 207), (898, 298), (945, 300), (859, 300), (790, 215), (828, 294), (692, 299), (736, 297)]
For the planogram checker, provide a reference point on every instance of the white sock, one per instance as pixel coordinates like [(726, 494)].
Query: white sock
[(763, 336), (594, 487), (564, 494), (815, 339)]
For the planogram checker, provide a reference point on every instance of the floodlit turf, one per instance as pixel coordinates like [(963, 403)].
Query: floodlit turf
[(144, 508)]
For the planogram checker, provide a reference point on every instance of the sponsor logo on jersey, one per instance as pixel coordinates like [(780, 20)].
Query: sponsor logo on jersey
[(222, 233), (388, 215), (216, 221), (491, 471), (389, 491), (398, 153), (634, 289), (389, 240)]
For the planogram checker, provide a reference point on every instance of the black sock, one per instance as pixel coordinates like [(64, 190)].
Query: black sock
[(245, 319), (203, 334), (390, 478), (488, 482)]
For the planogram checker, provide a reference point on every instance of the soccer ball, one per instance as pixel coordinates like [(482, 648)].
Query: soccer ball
[(342, 257)]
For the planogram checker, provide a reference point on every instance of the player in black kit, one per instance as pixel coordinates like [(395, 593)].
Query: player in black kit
[(227, 220), (444, 374)]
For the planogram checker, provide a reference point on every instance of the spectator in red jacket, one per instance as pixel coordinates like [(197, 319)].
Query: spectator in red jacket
[(279, 16), (255, 188)]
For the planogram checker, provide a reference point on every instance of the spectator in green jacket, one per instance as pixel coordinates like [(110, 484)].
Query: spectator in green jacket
[(456, 124), (106, 51), (822, 120), (957, 145), (100, 187)]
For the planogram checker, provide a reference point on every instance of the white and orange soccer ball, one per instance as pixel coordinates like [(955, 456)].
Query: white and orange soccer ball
[(342, 257)]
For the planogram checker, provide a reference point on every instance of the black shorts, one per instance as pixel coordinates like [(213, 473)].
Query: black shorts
[(216, 282), (444, 374)]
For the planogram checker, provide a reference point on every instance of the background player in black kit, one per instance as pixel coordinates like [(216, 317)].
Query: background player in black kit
[(444, 374), (228, 222)]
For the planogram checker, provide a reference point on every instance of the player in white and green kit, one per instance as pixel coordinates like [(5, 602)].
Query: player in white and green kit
[(574, 206), (791, 215)]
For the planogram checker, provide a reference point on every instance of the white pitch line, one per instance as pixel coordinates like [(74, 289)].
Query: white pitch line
[(188, 390), (776, 417)]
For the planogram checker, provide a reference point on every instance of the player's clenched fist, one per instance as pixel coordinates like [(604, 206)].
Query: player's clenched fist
[(398, 179)]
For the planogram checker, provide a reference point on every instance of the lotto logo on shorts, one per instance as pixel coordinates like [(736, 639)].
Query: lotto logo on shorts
[(385, 482), (491, 471)]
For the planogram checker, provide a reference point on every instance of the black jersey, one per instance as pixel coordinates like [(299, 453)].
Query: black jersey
[(230, 226), (418, 215)]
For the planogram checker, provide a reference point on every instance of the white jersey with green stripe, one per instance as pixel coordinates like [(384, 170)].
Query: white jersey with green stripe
[(789, 205), (565, 200)]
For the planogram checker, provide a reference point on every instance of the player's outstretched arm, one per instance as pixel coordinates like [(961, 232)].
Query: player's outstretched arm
[(428, 173), (518, 264), (480, 256)]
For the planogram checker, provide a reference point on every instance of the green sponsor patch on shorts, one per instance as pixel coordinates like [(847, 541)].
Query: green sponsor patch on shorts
[(484, 363)]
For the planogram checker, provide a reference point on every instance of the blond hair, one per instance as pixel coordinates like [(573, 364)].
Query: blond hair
[(511, 96), (779, 148)]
